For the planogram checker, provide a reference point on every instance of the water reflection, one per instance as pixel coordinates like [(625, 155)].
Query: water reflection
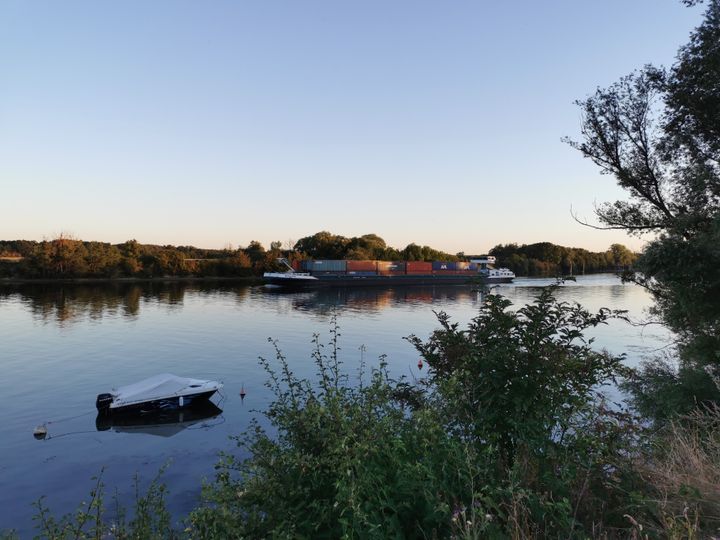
[(370, 299), (161, 423), (65, 304)]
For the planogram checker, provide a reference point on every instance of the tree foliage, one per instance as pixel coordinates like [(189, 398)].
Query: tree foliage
[(545, 258), (325, 245), (657, 132)]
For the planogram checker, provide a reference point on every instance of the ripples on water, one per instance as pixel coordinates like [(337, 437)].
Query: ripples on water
[(61, 345)]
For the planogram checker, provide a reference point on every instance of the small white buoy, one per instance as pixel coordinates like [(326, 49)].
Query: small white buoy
[(40, 432)]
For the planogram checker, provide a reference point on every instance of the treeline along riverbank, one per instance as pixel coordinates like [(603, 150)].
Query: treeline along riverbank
[(69, 258)]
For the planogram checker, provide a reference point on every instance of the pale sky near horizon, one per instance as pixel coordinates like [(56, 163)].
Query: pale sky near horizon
[(208, 123)]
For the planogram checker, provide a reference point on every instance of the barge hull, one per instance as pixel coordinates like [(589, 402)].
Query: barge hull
[(380, 280)]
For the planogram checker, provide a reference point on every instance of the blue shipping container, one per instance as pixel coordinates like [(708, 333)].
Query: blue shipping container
[(443, 265), (329, 266)]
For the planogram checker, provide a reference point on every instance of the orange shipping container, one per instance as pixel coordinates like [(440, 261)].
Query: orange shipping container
[(419, 267), (362, 266)]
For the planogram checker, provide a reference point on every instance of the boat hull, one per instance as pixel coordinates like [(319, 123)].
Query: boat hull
[(162, 404)]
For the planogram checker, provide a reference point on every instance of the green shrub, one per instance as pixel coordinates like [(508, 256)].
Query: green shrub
[(506, 437), (348, 461), (150, 518)]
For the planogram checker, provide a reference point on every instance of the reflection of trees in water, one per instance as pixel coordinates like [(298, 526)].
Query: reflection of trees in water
[(68, 303), (222, 289)]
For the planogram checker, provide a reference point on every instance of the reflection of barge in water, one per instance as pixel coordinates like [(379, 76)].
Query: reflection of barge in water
[(372, 273), (366, 299)]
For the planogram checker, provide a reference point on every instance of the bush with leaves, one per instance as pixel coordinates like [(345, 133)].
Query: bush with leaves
[(526, 384), (149, 518), (348, 460), (506, 436)]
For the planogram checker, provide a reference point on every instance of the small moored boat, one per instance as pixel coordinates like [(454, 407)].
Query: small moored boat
[(161, 392)]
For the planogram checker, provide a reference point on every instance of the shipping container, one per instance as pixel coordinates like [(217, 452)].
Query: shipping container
[(443, 265), (462, 266), (329, 266), (419, 267), (362, 266), (384, 267), (361, 273), (295, 265)]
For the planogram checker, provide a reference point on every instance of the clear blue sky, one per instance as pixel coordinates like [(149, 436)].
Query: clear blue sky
[(208, 123)]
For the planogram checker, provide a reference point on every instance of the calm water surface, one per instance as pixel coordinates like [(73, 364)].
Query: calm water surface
[(62, 345)]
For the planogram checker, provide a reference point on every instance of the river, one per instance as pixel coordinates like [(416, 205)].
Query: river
[(61, 345)]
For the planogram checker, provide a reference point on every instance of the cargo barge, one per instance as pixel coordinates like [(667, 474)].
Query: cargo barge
[(325, 273)]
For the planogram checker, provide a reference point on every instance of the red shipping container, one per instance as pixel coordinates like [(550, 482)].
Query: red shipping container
[(295, 265), (362, 266), (419, 267)]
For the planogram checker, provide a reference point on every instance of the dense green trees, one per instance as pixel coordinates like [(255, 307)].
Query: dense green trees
[(325, 245), (66, 257), (546, 259), (657, 132)]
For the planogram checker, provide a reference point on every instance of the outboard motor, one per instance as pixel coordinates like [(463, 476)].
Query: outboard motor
[(103, 402)]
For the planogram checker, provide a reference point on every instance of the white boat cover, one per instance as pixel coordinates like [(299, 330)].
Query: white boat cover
[(160, 386)]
